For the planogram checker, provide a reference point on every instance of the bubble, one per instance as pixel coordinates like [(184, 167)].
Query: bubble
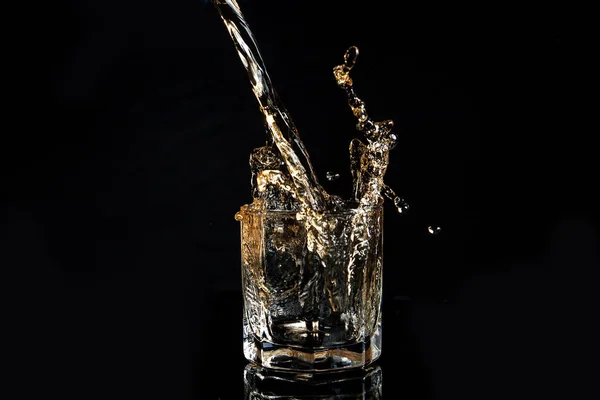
[(332, 176), (434, 230)]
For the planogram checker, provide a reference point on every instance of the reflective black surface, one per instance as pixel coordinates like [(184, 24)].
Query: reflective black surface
[(126, 159), (360, 384)]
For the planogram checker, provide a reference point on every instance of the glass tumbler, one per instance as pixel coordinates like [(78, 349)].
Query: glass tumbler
[(312, 293)]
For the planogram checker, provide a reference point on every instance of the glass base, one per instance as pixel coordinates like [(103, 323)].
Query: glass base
[(285, 357)]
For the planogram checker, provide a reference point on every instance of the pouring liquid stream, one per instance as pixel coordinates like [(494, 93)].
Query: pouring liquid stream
[(327, 255), (283, 175), (283, 133)]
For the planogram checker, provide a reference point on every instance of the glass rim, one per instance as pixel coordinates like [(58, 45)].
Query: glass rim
[(248, 209)]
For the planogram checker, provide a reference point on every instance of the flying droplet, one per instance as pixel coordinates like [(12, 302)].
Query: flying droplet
[(393, 140), (401, 204), (332, 176), (350, 57), (434, 230)]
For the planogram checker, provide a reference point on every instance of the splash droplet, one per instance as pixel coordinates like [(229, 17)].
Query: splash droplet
[(393, 141), (370, 130), (332, 176), (360, 111), (350, 57), (434, 230), (355, 102), (367, 126), (342, 77), (239, 216), (401, 204), (385, 126)]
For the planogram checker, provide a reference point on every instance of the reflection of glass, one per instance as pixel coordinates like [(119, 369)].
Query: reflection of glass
[(355, 384), (316, 309)]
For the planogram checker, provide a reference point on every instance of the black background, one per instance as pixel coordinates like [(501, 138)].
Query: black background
[(127, 160)]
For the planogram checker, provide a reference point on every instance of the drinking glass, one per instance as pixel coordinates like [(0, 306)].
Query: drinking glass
[(312, 295)]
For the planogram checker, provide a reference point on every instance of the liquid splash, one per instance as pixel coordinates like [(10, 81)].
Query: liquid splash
[(368, 161), (313, 267), (282, 175)]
